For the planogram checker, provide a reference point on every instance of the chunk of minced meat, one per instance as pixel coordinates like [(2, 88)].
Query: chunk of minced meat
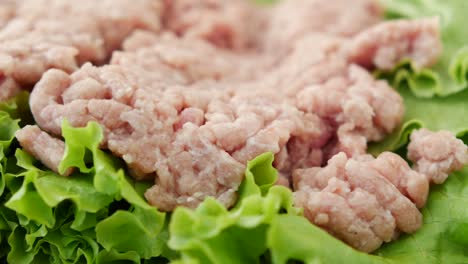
[(389, 189), (363, 183), (362, 108), (58, 34), (234, 24), (385, 45), (436, 154), (334, 213), (412, 184), (49, 150), (24, 60), (206, 155), (143, 113)]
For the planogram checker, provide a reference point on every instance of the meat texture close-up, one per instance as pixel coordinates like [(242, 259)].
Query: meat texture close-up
[(191, 91), (367, 201), (41, 34)]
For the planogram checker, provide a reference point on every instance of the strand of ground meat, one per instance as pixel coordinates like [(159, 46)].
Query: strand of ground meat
[(199, 131), (366, 201)]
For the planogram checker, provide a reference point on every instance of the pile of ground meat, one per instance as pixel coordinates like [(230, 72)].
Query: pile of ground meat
[(188, 91)]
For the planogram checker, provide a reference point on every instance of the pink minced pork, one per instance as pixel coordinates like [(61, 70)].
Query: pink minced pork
[(290, 20), (40, 144), (44, 34), (233, 24), (192, 128), (436, 154), (382, 194), (189, 107), (7, 11)]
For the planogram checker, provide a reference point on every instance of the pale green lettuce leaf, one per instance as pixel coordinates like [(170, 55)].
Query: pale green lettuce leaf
[(295, 238)]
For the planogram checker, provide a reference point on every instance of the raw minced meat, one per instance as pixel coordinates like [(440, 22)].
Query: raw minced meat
[(49, 150), (335, 17), (7, 11), (328, 196), (352, 196), (198, 88), (184, 110), (187, 58), (436, 155), (59, 34), (233, 24)]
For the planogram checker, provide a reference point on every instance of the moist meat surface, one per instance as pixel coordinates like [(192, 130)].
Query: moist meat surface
[(199, 121), (61, 34), (436, 155), (290, 20)]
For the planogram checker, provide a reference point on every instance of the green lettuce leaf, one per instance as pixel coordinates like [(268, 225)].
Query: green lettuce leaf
[(294, 238), (449, 75), (54, 219), (8, 127)]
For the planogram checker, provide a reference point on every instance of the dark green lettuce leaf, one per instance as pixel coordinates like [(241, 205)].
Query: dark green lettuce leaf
[(8, 127)]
